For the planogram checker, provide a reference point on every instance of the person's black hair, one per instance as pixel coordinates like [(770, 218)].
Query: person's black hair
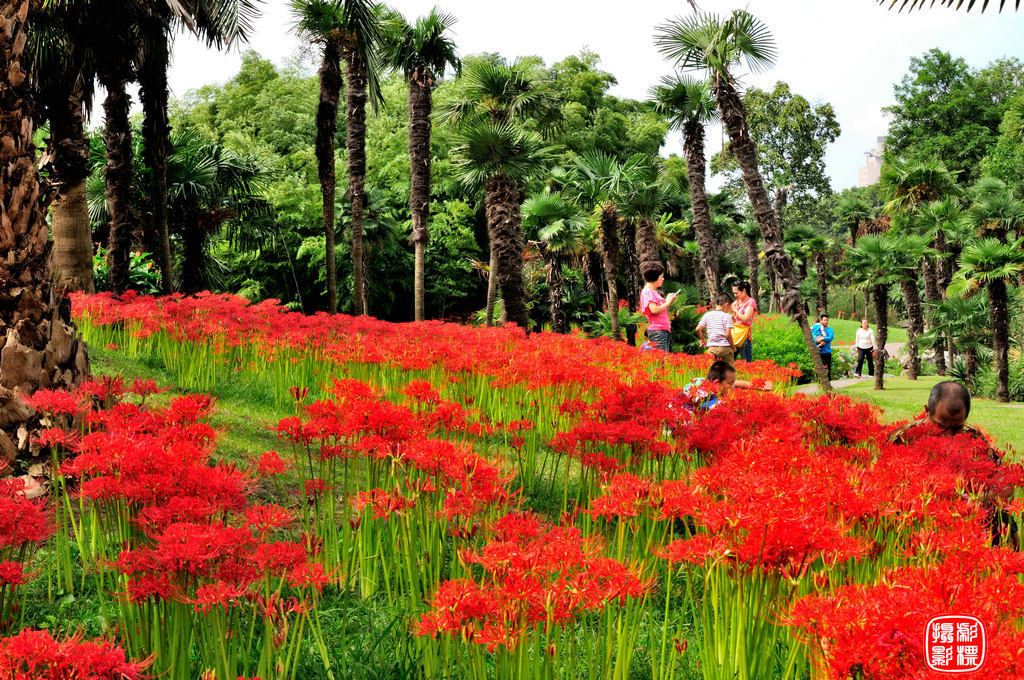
[(742, 285), (719, 370), (952, 393), (652, 272), (824, 316), (723, 299)]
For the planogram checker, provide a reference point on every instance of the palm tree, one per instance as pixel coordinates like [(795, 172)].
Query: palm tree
[(967, 320), (360, 36), (65, 74), (322, 21), (597, 180), (493, 100), (500, 157), (555, 226), (940, 221), (219, 23), (871, 266), (992, 264), (908, 251), (852, 211), (210, 187), (908, 185), (821, 249), (689, 107), (911, 5), (35, 318), (716, 45), (422, 52)]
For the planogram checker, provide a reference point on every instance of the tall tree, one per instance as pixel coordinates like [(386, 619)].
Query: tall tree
[(792, 137), (219, 23), (751, 234), (821, 248), (359, 41), (64, 73), (717, 45), (688, 105), (323, 21), (908, 251), (992, 264), (500, 157), (851, 212), (422, 52), (40, 347), (493, 102), (948, 112)]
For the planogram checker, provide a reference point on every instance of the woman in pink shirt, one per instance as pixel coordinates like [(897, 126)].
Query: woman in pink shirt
[(744, 309), (655, 308)]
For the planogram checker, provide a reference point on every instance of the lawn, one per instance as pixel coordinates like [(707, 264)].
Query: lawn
[(904, 398), (847, 328)]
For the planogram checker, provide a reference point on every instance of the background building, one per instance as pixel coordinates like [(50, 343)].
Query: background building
[(872, 168)]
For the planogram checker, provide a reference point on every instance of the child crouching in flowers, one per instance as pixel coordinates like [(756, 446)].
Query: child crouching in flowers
[(703, 394)]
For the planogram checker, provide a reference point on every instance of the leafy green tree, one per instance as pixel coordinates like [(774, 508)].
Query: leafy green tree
[(852, 211), (992, 264), (1006, 158), (717, 45), (792, 136), (688, 105), (422, 52), (450, 254), (947, 112)]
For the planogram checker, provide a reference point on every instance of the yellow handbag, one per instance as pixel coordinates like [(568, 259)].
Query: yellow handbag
[(739, 335)]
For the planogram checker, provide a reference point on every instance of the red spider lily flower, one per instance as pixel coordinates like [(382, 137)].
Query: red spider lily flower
[(270, 464), (144, 388), (216, 595), (55, 402), (269, 517), (54, 437), (383, 503), (12, 573), (36, 654), (299, 394), (626, 495)]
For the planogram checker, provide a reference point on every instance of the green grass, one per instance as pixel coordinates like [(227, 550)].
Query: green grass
[(902, 399), (846, 330)]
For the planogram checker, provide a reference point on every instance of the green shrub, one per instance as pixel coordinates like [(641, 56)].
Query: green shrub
[(780, 340), (985, 380)]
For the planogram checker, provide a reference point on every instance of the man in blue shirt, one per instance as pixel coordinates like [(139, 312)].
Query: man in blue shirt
[(823, 335)]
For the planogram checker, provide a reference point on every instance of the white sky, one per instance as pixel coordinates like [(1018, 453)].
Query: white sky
[(847, 52)]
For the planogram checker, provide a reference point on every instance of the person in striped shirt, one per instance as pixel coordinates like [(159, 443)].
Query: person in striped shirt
[(714, 330)]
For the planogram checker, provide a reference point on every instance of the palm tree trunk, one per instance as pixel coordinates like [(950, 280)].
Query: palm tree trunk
[(734, 118), (40, 347), (193, 263), (117, 137), (503, 201), (934, 295), (881, 299), (647, 243), (610, 254), (72, 233), (821, 264), (492, 283), (420, 106), (326, 131), (355, 117), (631, 262), (754, 267), (998, 299), (915, 325), (156, 133), (696, 167), (556, 287)]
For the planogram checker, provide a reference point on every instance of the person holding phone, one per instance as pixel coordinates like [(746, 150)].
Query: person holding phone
[(655, 307)]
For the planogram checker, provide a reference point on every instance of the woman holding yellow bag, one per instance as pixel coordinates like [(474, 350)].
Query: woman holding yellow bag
[(744, 309)]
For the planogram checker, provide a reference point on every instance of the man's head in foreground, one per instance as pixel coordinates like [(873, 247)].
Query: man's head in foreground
[(948, 406)]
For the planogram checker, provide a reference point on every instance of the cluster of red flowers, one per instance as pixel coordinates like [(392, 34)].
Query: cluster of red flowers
[(507, 355), (360, 423), (36, 655), (534, 574), (24, 524)]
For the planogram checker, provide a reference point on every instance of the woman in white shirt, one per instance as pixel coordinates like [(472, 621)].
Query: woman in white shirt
[(865, 344)]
